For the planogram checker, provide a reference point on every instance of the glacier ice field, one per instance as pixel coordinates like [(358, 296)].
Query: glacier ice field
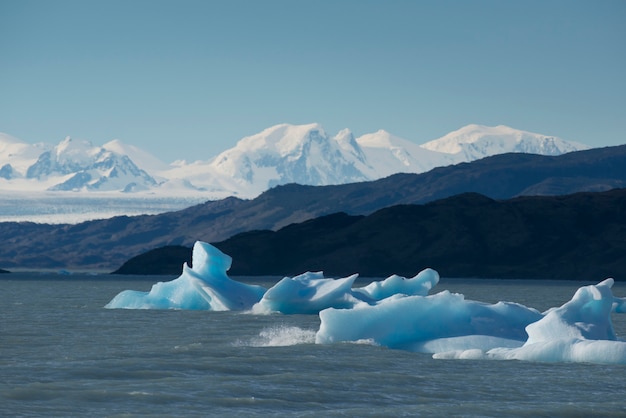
[(400, 313)]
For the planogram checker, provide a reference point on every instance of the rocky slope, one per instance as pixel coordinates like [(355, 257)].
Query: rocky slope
[(578, 237)]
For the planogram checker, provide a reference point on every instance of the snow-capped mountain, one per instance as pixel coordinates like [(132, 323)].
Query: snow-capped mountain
[(281, 154), (140, 157), (388, 154), (75, 165), (16, 156), (473, 142), (284, 153), (306, 154)]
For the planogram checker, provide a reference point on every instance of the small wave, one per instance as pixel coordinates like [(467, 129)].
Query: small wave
[(365, 341), (188, 347), (140, 393), (280, 336)]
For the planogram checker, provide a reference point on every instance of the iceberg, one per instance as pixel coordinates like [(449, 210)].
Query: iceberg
[(399, 313), (394, 285), (450, 327), (409, 322), (205, 286), (578, 331), (307, 293), (310, 293)]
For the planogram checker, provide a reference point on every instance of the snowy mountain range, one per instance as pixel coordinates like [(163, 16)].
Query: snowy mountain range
[(281, 154), (475, 141)]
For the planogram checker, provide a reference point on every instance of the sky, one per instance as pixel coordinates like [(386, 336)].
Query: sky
[(187, 79)]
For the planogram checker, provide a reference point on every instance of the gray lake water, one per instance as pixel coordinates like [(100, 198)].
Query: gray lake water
[(62, 354)]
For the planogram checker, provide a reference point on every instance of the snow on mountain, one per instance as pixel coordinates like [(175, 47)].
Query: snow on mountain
[(140, 157), (198, 177), (75, 165), (285, 153), (347, 142), (281, 154), (305, 154), (389, 154), (473, 142), (16, 156)]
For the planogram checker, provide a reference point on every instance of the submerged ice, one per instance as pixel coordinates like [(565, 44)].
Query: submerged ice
[(400, 313)]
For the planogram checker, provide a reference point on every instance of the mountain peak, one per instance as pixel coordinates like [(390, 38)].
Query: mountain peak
[(345, 138), (8, 139), (477, 141), (73, 150), (141, 158), (287, 153), (287, 128), (344, 133), (283, 139), (382, 139)]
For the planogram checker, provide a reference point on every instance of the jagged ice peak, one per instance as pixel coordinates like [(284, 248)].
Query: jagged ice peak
[(379, 139)]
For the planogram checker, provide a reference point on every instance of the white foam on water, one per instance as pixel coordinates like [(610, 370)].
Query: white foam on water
[(281, 336)]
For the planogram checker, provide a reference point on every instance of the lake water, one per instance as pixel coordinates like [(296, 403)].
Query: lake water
[(62, 354)]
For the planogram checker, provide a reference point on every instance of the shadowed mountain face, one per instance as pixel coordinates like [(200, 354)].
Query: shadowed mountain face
[(106, 244), (578, 237)]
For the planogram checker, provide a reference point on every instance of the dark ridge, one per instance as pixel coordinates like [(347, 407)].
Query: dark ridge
[(579, 237), (164, 260)]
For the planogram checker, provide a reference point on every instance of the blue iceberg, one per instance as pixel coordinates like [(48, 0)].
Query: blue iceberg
[(579, 331), (450, 327), (310, 293), (400, 313), (205, 286), (409, 322)]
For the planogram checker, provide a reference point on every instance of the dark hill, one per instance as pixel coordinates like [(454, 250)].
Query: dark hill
[(162, 260), (580, 236), (106, 244)]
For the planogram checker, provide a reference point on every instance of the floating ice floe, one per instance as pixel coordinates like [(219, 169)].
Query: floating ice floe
[(203, 287), (579, 331), (411, 321), (206, 286), (399, 313), (310, 293)]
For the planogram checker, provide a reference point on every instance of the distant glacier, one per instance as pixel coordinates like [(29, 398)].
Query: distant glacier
[(62, 208)]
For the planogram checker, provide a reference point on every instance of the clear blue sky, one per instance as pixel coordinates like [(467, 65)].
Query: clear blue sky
[(187, 79)]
